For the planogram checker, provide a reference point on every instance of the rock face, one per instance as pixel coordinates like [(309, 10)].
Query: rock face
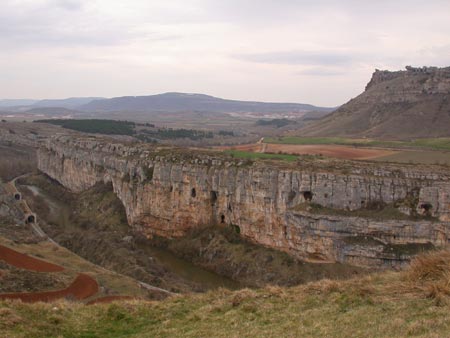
[(399, 105), (167, 191)]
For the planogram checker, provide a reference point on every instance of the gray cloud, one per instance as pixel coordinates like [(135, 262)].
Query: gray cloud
[(57, 23), (297, 57), (320, 71), (69, 5), (154, 45)]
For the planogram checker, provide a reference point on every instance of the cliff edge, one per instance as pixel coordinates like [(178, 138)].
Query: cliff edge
[(413, 103)]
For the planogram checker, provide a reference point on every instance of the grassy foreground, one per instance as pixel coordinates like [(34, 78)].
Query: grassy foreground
[(413, 303)]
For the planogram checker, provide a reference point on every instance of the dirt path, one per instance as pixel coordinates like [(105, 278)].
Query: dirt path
[(81, 288), (38, 230), (23, 261)]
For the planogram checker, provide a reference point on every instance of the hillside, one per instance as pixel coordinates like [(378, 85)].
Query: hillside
[(71, 103), (406, 104), (181, 102), (413, 303), (16, 102)]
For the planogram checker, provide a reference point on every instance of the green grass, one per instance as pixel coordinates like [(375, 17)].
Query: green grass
[(254, 156), (434, 143), (413, 303)]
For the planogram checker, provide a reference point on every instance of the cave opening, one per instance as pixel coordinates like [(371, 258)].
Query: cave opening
[(426, 208), (222, 218), (193, 192), (31, 219), (213, 196), (17, 197), (307, 195)]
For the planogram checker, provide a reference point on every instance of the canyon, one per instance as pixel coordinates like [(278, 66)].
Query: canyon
[(167, 191)]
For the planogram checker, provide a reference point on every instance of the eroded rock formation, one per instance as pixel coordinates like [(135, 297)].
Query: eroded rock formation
[(167, 191), (413, 103)]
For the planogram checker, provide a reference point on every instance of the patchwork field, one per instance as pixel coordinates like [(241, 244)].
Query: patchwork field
[(424, 151), (288, 151)]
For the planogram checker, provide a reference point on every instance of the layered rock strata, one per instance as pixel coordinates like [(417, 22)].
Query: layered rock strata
[(168, 191)]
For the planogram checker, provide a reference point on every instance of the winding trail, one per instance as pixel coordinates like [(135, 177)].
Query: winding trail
[(38, 230), (82, 287), (23, 261)]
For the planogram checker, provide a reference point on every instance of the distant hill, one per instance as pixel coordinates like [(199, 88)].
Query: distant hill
[(16, 102), (70, 103), (181, 102), (51, 111), (413, 103)]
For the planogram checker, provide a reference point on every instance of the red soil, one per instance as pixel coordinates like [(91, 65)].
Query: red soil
[(82, 287), (108, 299), (24, 261)]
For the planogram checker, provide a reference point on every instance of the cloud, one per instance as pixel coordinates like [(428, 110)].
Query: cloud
[(298, 57), (321, 71), (69, 5), (244, 49)]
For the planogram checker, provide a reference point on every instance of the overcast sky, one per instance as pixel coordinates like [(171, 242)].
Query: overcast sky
[(319, 52)]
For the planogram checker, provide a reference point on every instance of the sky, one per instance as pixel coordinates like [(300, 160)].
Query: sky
[(321, 52)]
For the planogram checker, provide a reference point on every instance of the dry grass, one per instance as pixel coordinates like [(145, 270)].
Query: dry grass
[(430, 274), (16, 160), (389, 304)]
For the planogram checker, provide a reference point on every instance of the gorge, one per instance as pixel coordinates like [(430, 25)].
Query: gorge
[(167, 191)]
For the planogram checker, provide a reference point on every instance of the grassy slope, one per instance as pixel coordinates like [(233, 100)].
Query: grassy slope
[(118, 284), (403, 304)]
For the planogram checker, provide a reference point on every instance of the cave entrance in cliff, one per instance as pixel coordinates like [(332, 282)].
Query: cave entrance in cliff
[(193, 193), (213, 196), (307, 195), (222, 218), (17, 196), (426, 208), (31, 219)]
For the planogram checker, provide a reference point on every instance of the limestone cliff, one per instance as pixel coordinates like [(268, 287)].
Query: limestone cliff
[(405, 104), (167, 191)]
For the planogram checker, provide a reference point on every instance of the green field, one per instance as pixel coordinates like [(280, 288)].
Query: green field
[(252, 156), (432, 143)]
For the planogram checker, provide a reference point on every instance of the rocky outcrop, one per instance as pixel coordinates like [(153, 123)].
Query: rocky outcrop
[(405, 104), (167, 191)]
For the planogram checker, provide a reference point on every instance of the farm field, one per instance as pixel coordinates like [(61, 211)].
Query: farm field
[(426, 143), (291, 151), (423, 151), (413, 156)]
